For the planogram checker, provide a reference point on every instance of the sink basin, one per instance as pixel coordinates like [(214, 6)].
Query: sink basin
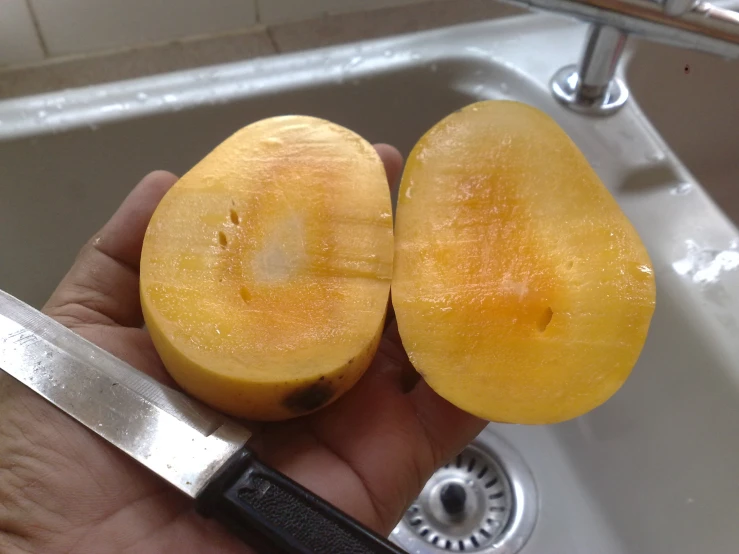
[(694, 109), (653, 471)]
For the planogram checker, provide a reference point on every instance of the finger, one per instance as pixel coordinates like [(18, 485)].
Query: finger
[(102, 287), (435, 430), (392, 452), (393, 162), (446, 427), (123, 235)]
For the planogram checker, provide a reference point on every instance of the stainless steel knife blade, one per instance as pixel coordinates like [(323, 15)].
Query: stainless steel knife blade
[(180, 439), (199, 451)]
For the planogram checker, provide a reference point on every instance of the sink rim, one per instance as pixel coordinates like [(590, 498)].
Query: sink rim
[(68, 109)]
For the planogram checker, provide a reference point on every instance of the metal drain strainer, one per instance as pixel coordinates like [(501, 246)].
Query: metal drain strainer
[(482, 501)]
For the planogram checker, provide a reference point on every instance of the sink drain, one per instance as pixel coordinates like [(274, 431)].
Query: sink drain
[(482, 501), (466, 504)]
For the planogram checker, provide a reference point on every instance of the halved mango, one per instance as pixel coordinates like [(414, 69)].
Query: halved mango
[(265, 270), (522, 292)]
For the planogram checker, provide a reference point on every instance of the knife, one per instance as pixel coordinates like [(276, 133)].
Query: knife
[(203, 453)]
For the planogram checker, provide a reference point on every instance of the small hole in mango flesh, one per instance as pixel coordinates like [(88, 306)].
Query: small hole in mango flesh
[(545, 319)]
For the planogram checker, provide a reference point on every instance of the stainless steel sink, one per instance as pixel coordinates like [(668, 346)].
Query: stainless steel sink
[(653, 471)]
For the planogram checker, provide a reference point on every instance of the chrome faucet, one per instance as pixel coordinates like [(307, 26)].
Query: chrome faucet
[(590, 86)]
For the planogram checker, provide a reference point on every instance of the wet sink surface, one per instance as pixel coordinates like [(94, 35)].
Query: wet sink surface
[(653, 471)]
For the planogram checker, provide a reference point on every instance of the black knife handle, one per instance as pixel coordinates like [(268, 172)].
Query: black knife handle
[(273, 513)]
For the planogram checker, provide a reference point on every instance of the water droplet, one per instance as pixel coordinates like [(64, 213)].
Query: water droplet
[(504, 88), (41, 114), (355, 61), (433, 67), (476, 50), (681, 190), (142, 96), (169, 98), (704, 265), (387, 53), (655, 157)]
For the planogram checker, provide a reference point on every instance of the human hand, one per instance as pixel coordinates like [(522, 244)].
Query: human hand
[(64, 489)]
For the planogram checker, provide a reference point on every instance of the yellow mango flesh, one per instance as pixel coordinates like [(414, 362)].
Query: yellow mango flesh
[(265, 270), (522, 292)]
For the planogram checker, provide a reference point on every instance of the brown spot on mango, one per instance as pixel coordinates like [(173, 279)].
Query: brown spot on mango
[(309, 398)]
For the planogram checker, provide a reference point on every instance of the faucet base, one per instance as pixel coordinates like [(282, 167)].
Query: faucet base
[(598, 101)]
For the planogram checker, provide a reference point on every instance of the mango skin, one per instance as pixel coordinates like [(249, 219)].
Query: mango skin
[(522, 292), (266, 269)]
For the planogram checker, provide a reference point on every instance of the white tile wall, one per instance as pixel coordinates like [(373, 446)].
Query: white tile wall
[(278, 11), (85, 26), (73, 26), (19, 42)]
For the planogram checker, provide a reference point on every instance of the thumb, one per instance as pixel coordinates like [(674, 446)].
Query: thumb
[(102, 287)]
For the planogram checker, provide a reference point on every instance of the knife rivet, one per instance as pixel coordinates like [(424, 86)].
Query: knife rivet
[(247, 486)]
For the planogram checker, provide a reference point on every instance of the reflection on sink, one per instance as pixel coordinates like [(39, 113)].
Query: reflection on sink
[(653, 471), (691, 98)]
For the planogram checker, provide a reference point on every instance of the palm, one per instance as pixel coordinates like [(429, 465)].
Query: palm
[(69, 491)]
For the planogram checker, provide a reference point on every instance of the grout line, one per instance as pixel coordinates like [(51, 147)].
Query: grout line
[(258, 11), (94, 56), (272, 40), (37, 27), (267, 28)]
